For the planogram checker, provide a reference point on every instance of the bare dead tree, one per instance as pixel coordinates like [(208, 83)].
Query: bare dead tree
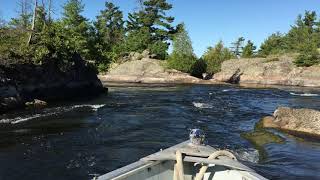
[(49, 10), (33, 20)]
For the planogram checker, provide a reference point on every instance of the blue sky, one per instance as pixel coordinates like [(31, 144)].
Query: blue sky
[(209, 21)]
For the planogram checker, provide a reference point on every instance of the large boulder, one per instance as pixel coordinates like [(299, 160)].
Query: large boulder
[(21, 83), (306, 121), (148, 70), (268, 71)]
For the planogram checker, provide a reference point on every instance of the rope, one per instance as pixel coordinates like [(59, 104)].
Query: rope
[(178, 167), (214, 155)]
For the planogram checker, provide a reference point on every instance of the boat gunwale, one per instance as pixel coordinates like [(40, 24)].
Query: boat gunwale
[(144, 163)]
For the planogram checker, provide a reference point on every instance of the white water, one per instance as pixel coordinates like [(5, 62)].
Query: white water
[(93, 106), (20, 120), (228, 90), (251, 155), (50, 112), (202, 105), (304, 94)]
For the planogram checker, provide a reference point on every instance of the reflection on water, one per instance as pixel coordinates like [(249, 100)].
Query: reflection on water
[(77, 140)]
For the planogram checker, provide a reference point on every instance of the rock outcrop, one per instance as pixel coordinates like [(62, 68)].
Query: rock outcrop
[(148, 70), (268, 71), (305, 121), (22, 83), (37, 104)]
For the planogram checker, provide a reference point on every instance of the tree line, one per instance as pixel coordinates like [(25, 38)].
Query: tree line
[(302, 39), (35, 37)]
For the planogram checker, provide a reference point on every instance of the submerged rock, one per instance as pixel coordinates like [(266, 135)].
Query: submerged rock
[(304, 121), (260, 137), (268, 71)]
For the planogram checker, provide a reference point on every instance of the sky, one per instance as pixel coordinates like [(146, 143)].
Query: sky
[(209, 21)]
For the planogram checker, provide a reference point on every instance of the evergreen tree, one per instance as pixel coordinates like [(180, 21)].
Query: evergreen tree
[(274, 44), (109, 24), (182, 57), (298, 37), (152, 20), (214, 57), (76, 27), (237, 47), (248, 50), (310, 20), (110, 33)]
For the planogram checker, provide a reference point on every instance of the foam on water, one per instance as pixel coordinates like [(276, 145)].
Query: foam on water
[(251, 155), (201, 105), (93, 106), (20, 119), (304, 94), (229, 90), (49, 112)]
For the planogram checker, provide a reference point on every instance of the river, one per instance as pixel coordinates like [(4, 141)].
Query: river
[(84, 138)]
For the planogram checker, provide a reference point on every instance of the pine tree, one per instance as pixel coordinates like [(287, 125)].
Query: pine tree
[(248, 50), (152, 20), (110, 25), (110, 35), (182, 57), (76, 27), (237, 46), (310, 20), (274, 44), (301, 34)]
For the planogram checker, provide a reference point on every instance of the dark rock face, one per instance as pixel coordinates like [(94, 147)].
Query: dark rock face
[(21, 83)]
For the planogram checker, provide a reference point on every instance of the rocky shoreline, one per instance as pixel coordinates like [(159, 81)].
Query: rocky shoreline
[(268, 71), (280, 71), (24, 85)]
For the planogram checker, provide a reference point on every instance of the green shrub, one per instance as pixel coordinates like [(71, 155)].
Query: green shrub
[(214, 57), (307, 60), (11, 43), (181, 62), (103, 67), (198, 68)]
